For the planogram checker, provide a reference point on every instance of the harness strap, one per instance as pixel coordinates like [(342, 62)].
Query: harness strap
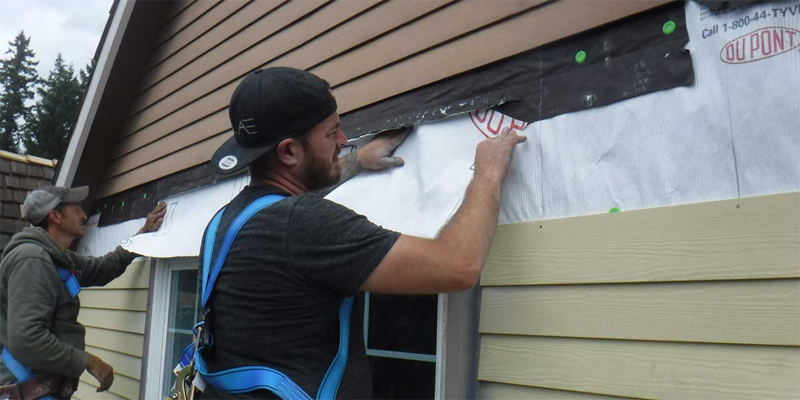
[(209, 277), (333, 377), (69, 279), (246, 379), (21, 372)]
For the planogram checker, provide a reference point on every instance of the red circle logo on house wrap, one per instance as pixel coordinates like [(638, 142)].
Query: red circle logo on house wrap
[(490, 122), (760, 44)]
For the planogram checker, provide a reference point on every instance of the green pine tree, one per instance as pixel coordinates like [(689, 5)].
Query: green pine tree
[(85, 75), (53, 116), (18, 77)]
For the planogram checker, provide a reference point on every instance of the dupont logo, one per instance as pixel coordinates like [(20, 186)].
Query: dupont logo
[(490, 122), (760, 44)]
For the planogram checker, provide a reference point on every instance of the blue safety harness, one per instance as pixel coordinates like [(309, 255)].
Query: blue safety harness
[(20, 371), (246, 379)]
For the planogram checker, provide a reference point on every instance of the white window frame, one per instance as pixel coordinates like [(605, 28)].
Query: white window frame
[(159, 319)]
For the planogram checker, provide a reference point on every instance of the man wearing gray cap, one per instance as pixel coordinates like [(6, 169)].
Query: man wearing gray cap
[(42, 341)]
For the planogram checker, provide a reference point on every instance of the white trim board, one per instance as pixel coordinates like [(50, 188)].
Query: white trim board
[(94, 94)]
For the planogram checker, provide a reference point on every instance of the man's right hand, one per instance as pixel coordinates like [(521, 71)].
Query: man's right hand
[(493, 156), (101, 371)]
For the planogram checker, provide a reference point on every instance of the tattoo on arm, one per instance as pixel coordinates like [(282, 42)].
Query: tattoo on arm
[(350, 168)]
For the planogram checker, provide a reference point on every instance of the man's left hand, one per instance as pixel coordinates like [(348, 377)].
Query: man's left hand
[(154, 219), (376, 154)]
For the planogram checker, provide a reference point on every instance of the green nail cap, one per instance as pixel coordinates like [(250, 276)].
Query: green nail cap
[(580, 57), (105, 205), (145, 196), (123, 205), (669, 27), (613, 210)]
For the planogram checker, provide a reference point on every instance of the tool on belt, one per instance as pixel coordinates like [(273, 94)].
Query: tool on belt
[(29, 386), (191, 369)]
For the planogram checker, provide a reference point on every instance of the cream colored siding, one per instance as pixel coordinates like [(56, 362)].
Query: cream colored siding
[(114, 317), (696, 301), (368, 49)]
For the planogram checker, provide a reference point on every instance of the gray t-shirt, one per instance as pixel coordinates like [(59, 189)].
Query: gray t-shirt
[(277, 298)]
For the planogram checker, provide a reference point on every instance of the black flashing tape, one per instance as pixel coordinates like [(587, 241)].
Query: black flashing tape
[(635, 56)]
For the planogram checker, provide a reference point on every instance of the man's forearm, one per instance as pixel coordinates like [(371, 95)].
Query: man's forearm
[(350, 167), (469, 234)]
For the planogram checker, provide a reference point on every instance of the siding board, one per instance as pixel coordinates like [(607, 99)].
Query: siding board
[(184, 19), (205, 128), (124, 342), (750, 238), (155, 141), (188, 95), (491, 390), (192, 32), (122, 363), (178, 7), (259, 32), (229, 73), (643, 369), (123, 388), (763, 312), (195, 154), (87, 390), (136, 276), (237, 22), (548, 23), (126, 321), (418, 36), (122, 299)]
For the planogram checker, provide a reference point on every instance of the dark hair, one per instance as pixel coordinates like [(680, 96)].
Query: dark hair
[(45, 223)]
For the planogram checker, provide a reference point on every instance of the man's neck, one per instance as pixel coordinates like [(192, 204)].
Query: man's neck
[(279, 181), (62, 240)]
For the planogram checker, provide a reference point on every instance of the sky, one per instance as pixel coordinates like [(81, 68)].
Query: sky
[(70, 27)]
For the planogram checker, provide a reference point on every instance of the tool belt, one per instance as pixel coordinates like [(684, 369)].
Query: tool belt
[(39, 386)]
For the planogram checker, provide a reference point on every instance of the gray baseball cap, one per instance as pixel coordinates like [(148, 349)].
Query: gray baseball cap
[(41, 201)]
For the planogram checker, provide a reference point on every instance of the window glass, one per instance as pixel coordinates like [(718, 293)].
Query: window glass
[(402, 323), (394, 378), (183, 307)]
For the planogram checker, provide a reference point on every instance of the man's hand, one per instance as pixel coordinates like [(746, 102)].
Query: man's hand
[(493, 156), (101, 371), (154, 219), (376, 154)]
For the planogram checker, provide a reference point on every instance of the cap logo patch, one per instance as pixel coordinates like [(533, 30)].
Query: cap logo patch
[(228, 162), (246, 126)]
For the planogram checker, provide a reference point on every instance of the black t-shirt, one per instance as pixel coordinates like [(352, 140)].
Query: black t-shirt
[(276, 301)]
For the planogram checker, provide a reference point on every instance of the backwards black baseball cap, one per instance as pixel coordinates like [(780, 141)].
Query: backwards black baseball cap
[(268, 106)]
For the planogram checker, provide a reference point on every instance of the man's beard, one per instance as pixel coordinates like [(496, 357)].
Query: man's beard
[(320, 173)]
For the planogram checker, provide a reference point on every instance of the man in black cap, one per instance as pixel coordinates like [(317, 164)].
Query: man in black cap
[(42, 341), (279, 302)]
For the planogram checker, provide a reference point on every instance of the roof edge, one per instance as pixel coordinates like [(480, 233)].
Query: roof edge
[(119, 24)]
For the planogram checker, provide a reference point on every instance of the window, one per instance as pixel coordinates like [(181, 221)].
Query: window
[(400, 333), (175, 311)]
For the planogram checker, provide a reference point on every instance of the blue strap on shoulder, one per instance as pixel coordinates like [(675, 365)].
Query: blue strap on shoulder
[(246, 379), (209, 277), (21, 372), (69, 279)]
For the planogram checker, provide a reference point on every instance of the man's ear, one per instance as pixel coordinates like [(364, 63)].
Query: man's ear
[(54, 217), (289, 152)]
